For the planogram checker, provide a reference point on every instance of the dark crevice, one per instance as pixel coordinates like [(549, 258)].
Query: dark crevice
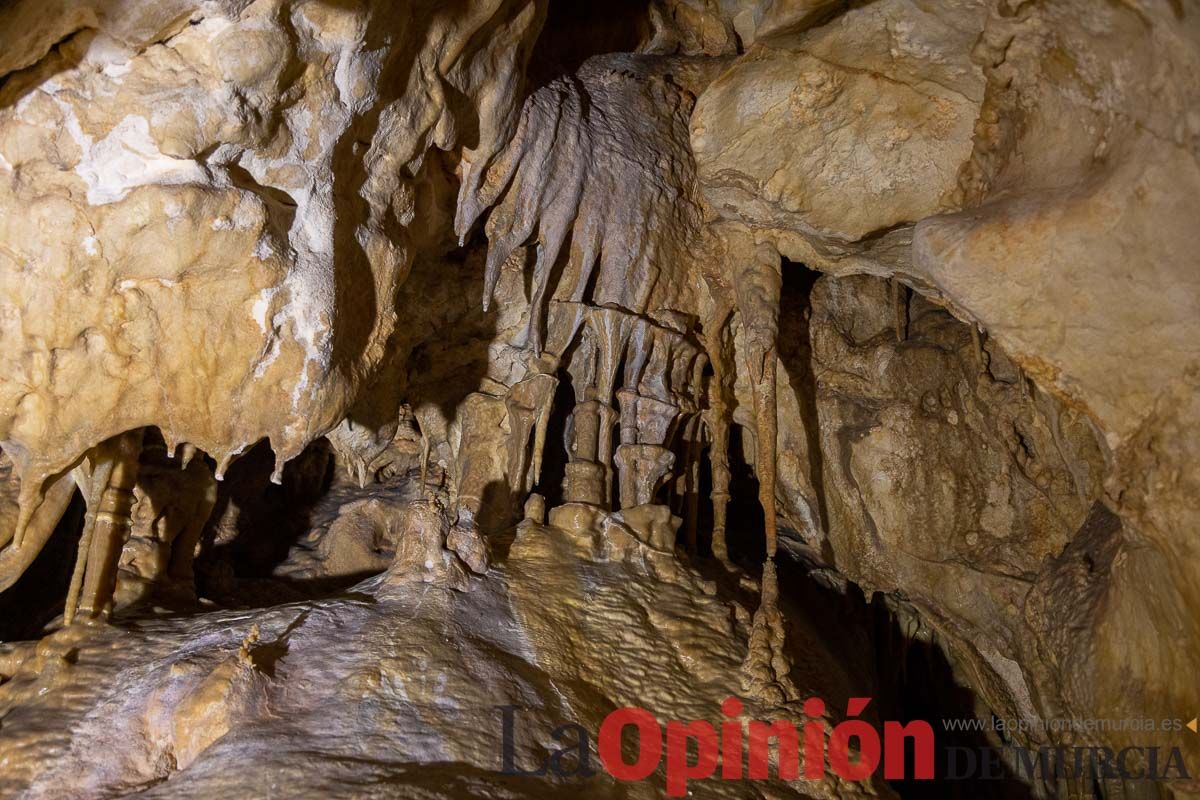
[(576, 31), (36, 599)]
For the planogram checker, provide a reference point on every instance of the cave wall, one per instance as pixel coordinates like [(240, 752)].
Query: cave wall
[(234, 221)]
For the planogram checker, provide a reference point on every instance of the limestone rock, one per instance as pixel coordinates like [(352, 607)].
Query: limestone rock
[(305, 304), (845, 130), (172, 209)]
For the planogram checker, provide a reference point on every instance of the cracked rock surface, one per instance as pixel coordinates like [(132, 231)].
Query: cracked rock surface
[(367, 366)]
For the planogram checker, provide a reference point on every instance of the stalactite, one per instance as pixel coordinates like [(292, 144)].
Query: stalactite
[(32, 495), (718, 436), (539, 441), (96, 482), (528, 406), (691, 517), (900, 308), (424, 463), (977, 348), (766, 429), (189, 452), (15, 560), (716, 419), (281, 460), (758, 283)]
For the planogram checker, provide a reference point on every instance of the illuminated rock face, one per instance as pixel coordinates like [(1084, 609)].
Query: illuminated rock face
[(207, 214), (297, 293)]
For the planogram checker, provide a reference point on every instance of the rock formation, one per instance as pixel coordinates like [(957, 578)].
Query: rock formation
[(366, 368)]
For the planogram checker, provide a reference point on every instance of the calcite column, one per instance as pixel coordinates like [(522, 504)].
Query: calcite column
[(642, 469), (109, 500), (758, 283), (604, 447), (643, 459), (586, 479)]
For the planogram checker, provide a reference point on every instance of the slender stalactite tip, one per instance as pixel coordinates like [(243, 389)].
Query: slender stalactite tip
[(189, 453), (900, 309)]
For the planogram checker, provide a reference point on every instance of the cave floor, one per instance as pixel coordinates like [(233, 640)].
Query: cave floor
[(392, 688)]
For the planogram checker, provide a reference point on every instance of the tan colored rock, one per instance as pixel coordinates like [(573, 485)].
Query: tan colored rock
[(172, 214), (1071, 260), (845, 130), (236, 221)]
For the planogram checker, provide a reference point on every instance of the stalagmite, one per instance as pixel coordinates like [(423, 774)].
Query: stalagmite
[(585, 478), (767, 669), (643, 467), (535, 508), (183, 549)]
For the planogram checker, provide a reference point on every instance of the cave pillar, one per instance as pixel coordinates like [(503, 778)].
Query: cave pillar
[(585, 475), (627, 402), (642, 468), (106, 526), (604, 447), (644, 459)]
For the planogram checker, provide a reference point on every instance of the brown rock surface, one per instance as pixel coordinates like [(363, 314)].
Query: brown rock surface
[(305, 304)]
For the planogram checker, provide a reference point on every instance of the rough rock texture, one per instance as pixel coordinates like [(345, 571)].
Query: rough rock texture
[(953, 481), (205, 215), (1056, 129), (296, 292), (360, 697), (847, 130)]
